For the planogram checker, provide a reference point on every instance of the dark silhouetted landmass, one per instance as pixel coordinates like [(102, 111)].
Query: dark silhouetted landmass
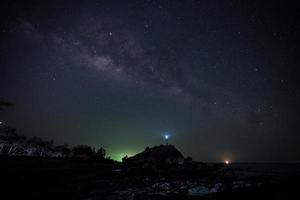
[(159, 172)]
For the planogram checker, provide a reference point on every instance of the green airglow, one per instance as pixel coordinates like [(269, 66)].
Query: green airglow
[(117, 155)]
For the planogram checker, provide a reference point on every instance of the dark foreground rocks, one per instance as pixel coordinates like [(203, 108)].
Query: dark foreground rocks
[(165, 176)]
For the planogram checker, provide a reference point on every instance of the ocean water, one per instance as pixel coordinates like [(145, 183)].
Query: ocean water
[(268, 168)]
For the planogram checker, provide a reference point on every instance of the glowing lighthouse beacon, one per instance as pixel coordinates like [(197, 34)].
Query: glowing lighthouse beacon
[(167, 136)]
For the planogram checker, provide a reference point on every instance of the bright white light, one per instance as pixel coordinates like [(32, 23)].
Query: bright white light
[(1, 122), (227, 162), (166, 137)]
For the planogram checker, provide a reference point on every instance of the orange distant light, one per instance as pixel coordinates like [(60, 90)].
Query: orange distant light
[(227, 162)]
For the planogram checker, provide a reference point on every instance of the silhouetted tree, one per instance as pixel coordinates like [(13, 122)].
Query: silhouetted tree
[(64, 150), (188, 159), (4, 104), (101, 152), (82, 151), (35, 141), (124, 158), (9, 134)]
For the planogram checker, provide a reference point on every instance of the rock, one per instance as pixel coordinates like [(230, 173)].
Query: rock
[(218, 187), (162, 189), (128, 194), (241, 184), (164, 186), (198, 191), (157, 155)]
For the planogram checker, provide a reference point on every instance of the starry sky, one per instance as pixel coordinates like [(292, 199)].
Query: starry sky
[(221, 77)]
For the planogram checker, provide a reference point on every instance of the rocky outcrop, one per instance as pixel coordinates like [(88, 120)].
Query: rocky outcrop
[(157, 155)]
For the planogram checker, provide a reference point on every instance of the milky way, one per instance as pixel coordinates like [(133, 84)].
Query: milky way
[(220, 77)]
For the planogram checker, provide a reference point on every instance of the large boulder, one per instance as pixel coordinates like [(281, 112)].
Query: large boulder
[(157, 155)]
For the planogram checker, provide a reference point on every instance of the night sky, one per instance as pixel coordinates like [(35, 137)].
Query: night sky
[(221, 77)]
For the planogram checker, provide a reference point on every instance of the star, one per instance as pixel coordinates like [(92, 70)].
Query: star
[(145, 67)]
